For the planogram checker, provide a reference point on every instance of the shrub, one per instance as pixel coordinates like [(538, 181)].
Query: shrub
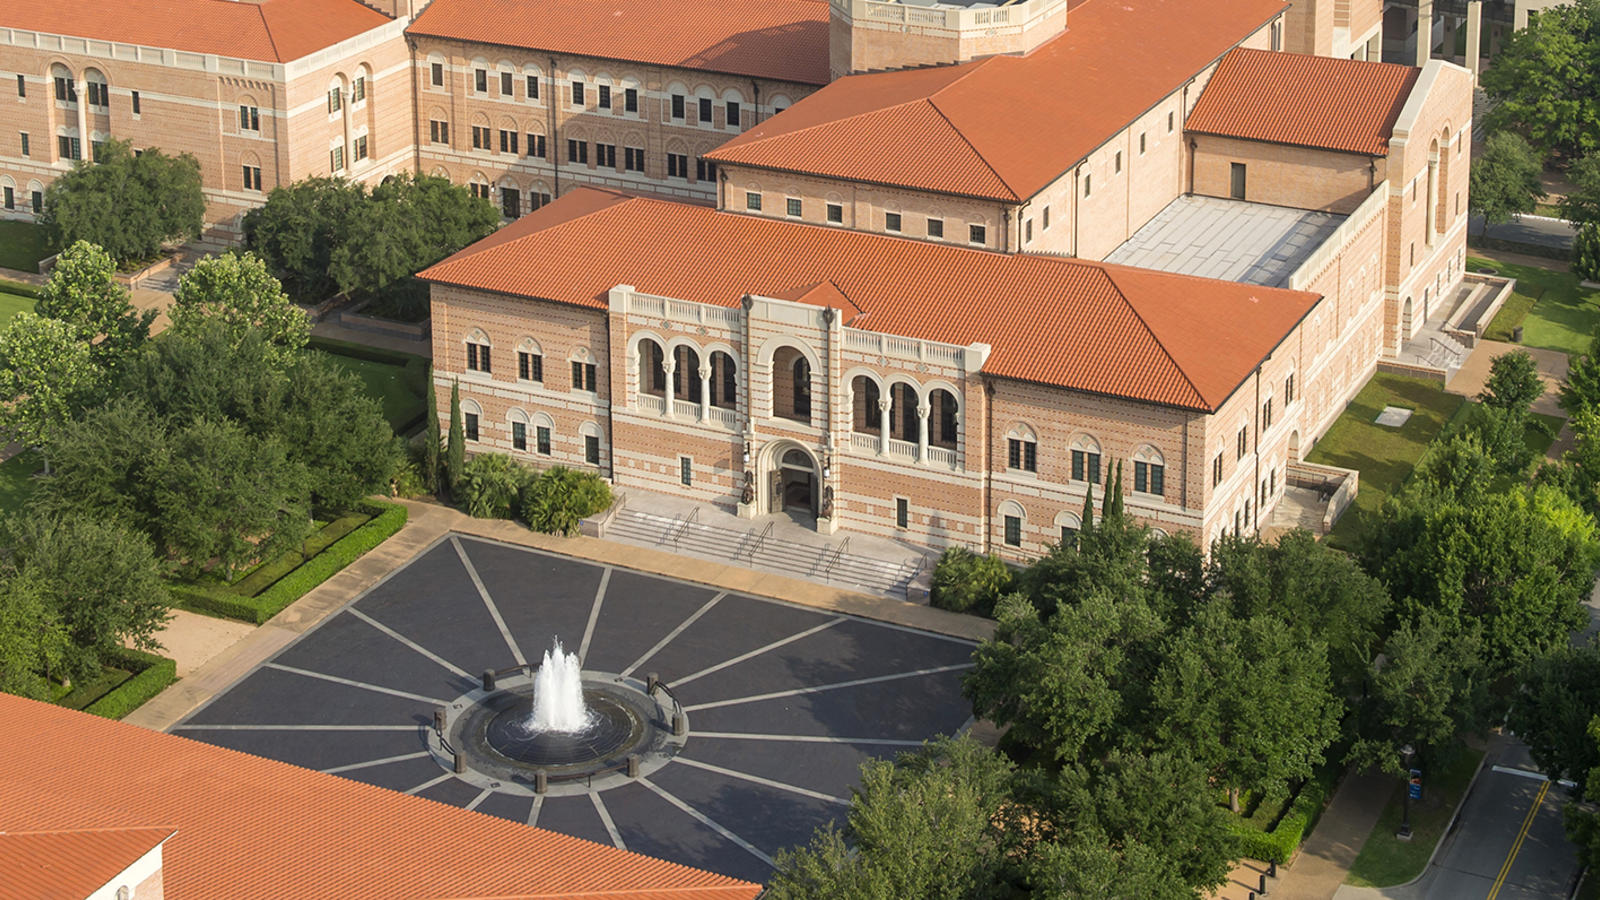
[(490, 485), (215, 599), (964, 581), (1586, 252), (1278, 844), (557, 500), (152, 675)]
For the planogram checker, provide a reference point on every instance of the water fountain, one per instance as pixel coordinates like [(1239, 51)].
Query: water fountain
[(558, 694)]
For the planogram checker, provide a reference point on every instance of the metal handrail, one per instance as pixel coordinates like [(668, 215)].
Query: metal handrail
[(838, 553), (683, 526), (755, 546)]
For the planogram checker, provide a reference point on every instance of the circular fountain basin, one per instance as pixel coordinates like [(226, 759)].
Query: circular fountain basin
[(613, 727)]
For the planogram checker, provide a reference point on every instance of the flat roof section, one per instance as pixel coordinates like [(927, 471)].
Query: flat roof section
[(1234, 240)]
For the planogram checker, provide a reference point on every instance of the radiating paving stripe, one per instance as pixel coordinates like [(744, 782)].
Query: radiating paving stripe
[(671, 635), (594, 615), (757, 779), (605, 818), (533, 814), (802, 738), (198, 727), (429, 783), (756, 698), (375, 762), (482, 796), (429, 654), (494, 611), (708, 821), (759, 650), (355, 684)]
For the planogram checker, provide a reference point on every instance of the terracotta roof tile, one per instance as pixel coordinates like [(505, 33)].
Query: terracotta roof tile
[(785, 40), (270, 30), (1169, 339), (251, 828), (1310, 101), (1006, 126), (71, 865)]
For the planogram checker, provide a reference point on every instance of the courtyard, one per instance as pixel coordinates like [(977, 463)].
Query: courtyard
[(783, 702)]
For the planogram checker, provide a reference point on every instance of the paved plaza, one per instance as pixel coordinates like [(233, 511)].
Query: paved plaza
[(784, 702)]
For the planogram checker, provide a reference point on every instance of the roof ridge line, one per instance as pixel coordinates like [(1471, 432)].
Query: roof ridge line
[(807, 128), (267, 27), (1106, 270), (975, 151)]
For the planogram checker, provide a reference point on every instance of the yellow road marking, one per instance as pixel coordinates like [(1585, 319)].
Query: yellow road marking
[(1522, 834)]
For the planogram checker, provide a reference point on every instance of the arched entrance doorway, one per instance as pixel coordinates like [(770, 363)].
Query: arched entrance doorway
[(797, 481), (1294, 446)]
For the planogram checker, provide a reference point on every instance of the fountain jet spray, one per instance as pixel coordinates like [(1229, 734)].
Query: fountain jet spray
[(558, 693)]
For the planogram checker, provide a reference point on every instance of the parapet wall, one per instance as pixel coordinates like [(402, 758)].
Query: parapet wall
[(869, 35)]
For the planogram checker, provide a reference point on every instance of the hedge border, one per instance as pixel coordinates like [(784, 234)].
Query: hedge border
[(387, 519), (364, 351), (1277, 845), (153, 674), (19, 288)]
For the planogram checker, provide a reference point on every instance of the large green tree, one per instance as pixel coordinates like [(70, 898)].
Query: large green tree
[(1581, 205), (47, 376), (1558, 696), (296, 231), (1546, 80), (236, 290), (1505, 178), (1582, 821), (33, 641), (1429, 690), (130, 205), (83, 293)]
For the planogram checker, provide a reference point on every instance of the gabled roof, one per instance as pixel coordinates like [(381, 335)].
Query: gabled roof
[(72, 864), (1309, 101), (786, 40), (1003, 128), (1169, 339), (251, 828), (269, 30)]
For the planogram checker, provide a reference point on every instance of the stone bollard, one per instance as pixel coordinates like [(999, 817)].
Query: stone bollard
[(680, 726), (651, 682), (541, 782), (633, 765), (488, 679)]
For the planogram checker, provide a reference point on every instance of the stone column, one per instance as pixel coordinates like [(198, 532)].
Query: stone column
[(883, 427), (1474, 35), (705, 391), (922, 432), (83, 118), (670, 363), (1424, 32)]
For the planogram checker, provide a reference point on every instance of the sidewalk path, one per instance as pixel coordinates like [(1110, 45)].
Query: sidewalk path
[(429, 522), (1325, 858)]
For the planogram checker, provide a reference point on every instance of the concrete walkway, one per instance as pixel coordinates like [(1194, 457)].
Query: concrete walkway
[(229, 659)]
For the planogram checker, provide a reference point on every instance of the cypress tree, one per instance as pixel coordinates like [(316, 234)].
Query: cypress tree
[(456, 452), (432, 440), (1116, 493), (1105, 499), (1088, 511)]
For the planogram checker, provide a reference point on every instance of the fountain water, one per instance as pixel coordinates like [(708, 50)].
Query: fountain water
[(558, 694)]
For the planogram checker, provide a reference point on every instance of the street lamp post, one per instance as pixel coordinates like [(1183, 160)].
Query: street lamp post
[(1404, 833)]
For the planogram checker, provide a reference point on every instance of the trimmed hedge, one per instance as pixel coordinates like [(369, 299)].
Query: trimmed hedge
[(152, 674), (366, 352), (1277, 845), (388, 518), (18, 288)]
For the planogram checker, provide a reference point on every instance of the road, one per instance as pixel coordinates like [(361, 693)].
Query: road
[(1529, 230)]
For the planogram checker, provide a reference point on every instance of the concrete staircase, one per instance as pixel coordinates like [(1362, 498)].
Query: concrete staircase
[(762, 547)]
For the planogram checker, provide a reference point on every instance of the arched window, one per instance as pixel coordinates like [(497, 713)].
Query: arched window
[(864, 398), (437, 66), (1022, 449), (724, 381), (8, 192), (944, 413), (1149, 472), (1070, 524), (791, 385), (1086, 459), (66, 86), (517, 420), (686, 373), (1012, 518), (98, 89), (590, 432), (471, 415), (478, 351), (530, 360), (543, 428), (903, 412), (652, 368)]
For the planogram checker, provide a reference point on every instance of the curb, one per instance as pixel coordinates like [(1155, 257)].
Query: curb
[(1455, 819)]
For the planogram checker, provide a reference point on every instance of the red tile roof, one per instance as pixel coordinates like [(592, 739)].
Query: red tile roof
[(271, 30), (1151, 336), (1310, 101), (71, 865), (785, 40), (251, 828), (1004, 127)]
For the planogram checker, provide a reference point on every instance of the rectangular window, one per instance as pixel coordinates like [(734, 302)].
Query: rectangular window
[(69, 148), (1242, 443), (252, 178), (481, 191), (66, 90), (10, 197), (24, 143), (577, 94), (577, 151), (677, 106), (135, 96), (1027, 231), (1216, 470), (752, 200), (633, 159), (977, 234), (510, 203), (480, 80), (936, 228), (591, 449), (507, 85), (436, 74), (22, 85), (361, 148), (630, 100), (37, 199), (1288, 391), (1046, 225), (1023, 455), (902, 512), (1150, 478), (677, 165), (704, 169), (604, 101), (735, 120), (335, 100), (685, 470), (1266, 414), (477, 357), (1086, 466), (1141, 143), (358, 89), (1117, 168), (530, 366), (508, 141), (705, 110), (583, 376), (94, 149), (1236, 181), (99, 94), (536, 145), (1013, 531), (1088, 183), (605, 155), (1169, 123), (439, 132), (891, 221), (792, 207), (480, 137), (471, 421), (519, 435), (541, 440), (836, 213), (533, 87)]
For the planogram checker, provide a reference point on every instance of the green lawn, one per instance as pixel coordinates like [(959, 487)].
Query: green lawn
[(1386, 860), (1383, 455), (11, 304), (389, 383), (16, 480), (21, 246), (1554, 312)]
